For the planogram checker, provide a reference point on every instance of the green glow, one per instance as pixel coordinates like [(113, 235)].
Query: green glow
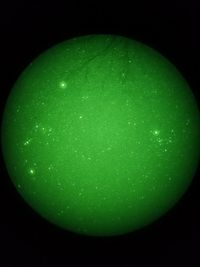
[(101, 135)]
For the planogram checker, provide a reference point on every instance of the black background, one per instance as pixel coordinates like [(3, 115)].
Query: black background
[(27, 29)]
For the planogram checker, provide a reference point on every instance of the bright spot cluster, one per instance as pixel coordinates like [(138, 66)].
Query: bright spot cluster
[(99, 142)]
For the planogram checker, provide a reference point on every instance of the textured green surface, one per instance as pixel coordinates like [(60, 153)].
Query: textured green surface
[(101, 135)]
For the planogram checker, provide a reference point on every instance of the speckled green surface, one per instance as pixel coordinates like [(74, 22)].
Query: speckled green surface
[(101, 135)]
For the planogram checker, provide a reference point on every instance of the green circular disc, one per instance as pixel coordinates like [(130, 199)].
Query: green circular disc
[(101, 135)]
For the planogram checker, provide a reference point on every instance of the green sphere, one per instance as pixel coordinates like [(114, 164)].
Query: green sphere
[(101, 135)]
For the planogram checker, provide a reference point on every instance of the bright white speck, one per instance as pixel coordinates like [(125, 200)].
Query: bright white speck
[(156, 132), (31, 171), (50, 167), (27, 142), (63, 85)]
